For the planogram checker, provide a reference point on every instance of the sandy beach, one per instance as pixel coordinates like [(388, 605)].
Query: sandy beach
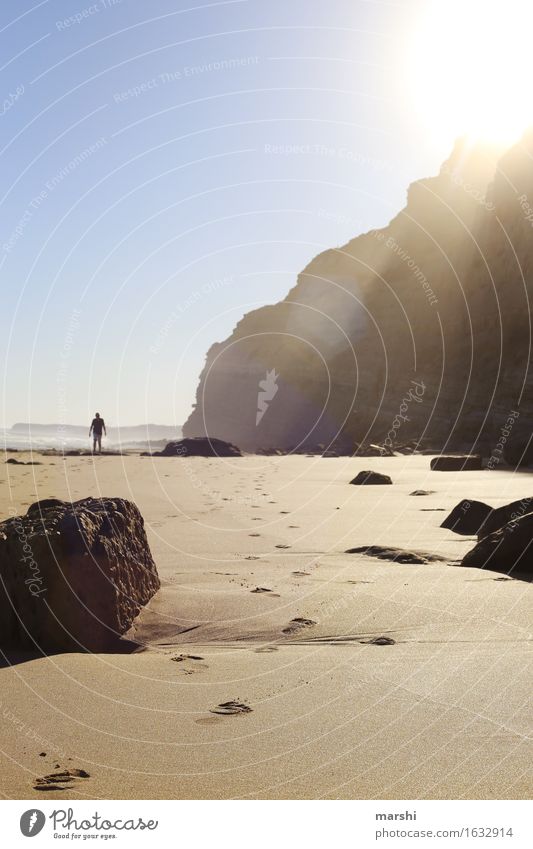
[(243, 548)]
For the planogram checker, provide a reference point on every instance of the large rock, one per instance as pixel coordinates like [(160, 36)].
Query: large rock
[(74, 576), (467, 517), (199, 447), (457, 463), (502, 515), (371, 479), (509, 549)]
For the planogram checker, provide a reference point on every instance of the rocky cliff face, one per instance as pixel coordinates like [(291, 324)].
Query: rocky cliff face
[(417, 331)]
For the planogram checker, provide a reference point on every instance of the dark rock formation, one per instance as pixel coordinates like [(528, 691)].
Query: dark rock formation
[(199, 447), (73, 576), (457, 463), (427, 318), (502, 515), (397, 555), (373, 451), (423, 492), (371, 479), (467, 517), (508, 550)]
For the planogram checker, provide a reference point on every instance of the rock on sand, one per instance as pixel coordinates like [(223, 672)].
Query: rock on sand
[(74, 575)]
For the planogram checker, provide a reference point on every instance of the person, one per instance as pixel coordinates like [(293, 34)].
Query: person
[(97, 426)]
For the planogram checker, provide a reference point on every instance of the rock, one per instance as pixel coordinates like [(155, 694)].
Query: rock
[(338, 336), (199, 446), (373, 450), (502, 515), (231, 708), (371, 479), (457, 463), (518, 451), (508, 549), (397, 555), (73, 576), (423, 492), (467, 517)]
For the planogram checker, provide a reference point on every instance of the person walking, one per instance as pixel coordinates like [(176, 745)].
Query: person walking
[(97, 427)]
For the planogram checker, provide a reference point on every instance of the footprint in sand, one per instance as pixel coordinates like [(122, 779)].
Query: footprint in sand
[(379, 641), (231, 708), (181, 657), (298, 623), (63, 780)]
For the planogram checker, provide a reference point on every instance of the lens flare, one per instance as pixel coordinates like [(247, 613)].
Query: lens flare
[(470, 68)]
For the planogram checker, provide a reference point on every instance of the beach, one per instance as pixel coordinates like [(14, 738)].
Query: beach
[(262, 608)]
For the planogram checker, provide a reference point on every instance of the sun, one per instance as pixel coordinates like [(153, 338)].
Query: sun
[(470, 68)]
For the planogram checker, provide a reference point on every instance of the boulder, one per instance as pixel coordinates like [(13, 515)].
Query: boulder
[(373, 450), (508, 550), (73, 575), (371, 479), (457, 463), (502, 515), (199, 446), (467, 517)]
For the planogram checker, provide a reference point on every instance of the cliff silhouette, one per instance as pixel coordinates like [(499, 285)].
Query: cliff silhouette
[(440, 297)]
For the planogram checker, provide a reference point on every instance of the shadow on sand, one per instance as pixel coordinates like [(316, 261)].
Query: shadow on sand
[(14, 657)]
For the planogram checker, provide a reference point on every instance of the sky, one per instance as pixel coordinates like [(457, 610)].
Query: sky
[(169, 166)]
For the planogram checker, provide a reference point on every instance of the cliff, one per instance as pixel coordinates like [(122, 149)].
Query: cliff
[(420, 330)]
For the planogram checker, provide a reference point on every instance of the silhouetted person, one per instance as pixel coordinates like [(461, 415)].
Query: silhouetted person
[(97, 426)]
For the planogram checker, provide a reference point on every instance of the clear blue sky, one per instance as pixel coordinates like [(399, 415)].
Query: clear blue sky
[(150, 194)]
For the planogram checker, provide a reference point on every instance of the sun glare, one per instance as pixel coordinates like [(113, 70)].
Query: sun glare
[(471, 68)]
